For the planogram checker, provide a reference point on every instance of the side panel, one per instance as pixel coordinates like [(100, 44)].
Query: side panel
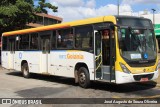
[(63, 62), (5, 59), (18, 59), (32, 57)]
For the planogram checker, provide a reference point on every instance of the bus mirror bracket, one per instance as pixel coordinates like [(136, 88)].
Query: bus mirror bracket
[(112, 26)]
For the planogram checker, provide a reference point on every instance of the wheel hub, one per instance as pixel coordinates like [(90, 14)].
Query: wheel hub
[(82, 78)]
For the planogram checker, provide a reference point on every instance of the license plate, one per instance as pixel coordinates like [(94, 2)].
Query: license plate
[(144, 79)]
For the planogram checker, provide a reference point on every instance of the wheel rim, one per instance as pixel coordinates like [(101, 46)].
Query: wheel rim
[(82, 78), (25, 70)]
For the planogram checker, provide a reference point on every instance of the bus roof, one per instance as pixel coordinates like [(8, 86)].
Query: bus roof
[(62, 25)]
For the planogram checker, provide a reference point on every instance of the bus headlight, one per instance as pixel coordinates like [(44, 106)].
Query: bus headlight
[(124, 68)]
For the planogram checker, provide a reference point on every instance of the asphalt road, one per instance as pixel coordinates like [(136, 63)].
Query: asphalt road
[(13, 85)]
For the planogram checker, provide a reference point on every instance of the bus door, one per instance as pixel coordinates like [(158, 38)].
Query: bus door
[(45, 47), (104, 54), (11, 54)]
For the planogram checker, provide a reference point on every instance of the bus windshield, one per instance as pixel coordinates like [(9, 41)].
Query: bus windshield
[(137, 44)]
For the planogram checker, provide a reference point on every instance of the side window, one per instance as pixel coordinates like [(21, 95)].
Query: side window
[(83, 36), (4, 45), (24, 42), (53, 42), (34, 41), (65, 38)]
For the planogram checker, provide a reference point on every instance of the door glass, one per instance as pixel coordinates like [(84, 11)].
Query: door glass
[(45, 45), (98, 43), (11, 45), (98, 53)]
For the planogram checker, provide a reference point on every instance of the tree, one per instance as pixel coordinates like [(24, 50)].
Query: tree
[(41, 8), (14, 14)]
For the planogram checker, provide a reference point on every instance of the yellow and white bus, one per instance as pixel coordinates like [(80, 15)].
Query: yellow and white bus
[(115, 49)]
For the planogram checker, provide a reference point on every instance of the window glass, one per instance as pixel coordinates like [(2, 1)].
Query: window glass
[(65, 38), (4, 43), (34, 41), (137, 44), (134, 22), (83, 37), (24, 42)]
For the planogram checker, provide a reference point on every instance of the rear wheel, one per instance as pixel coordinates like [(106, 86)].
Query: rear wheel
[(83, 77), (25, 70)]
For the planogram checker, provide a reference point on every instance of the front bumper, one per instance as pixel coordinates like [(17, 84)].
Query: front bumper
[(122, 77)]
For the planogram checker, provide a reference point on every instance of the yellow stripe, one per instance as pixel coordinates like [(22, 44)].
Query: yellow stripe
[(63, 25), (154, 96), (116, 97), (38, 29)]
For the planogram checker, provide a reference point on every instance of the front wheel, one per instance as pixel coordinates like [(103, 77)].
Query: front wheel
[(83, 77), (25, 70)]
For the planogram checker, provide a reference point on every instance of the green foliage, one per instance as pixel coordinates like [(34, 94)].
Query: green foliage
[(14, 14), (41, 8)]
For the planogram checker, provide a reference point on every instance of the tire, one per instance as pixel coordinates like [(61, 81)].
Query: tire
[(25, 70), (83, 77)]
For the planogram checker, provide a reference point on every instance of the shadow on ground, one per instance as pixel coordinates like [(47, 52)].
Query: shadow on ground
[(124, 88)]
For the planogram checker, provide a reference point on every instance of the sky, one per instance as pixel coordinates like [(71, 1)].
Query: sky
[(71, 10)]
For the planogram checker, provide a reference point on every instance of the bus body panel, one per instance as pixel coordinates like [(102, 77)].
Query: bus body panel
[(43, 63), (62, 63), (18, 59), (59, 63), (32, 59), (5, 59)]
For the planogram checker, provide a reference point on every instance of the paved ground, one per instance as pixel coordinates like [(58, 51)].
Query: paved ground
[(13, 85)]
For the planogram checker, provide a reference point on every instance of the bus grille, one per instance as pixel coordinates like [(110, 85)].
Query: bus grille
[(141, 64), (138, 77)]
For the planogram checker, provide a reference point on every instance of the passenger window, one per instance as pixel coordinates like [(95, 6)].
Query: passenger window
[(34, 41), (84, 36), (4, 48), (24, 42), (65, 38)]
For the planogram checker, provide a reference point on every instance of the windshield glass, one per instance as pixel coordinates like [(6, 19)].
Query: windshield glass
[(137, 44)]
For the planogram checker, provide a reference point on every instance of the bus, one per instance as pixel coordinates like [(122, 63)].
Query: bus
[(114, 49)]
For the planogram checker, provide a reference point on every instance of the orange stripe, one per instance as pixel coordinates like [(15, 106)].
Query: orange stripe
[(32, 30)]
